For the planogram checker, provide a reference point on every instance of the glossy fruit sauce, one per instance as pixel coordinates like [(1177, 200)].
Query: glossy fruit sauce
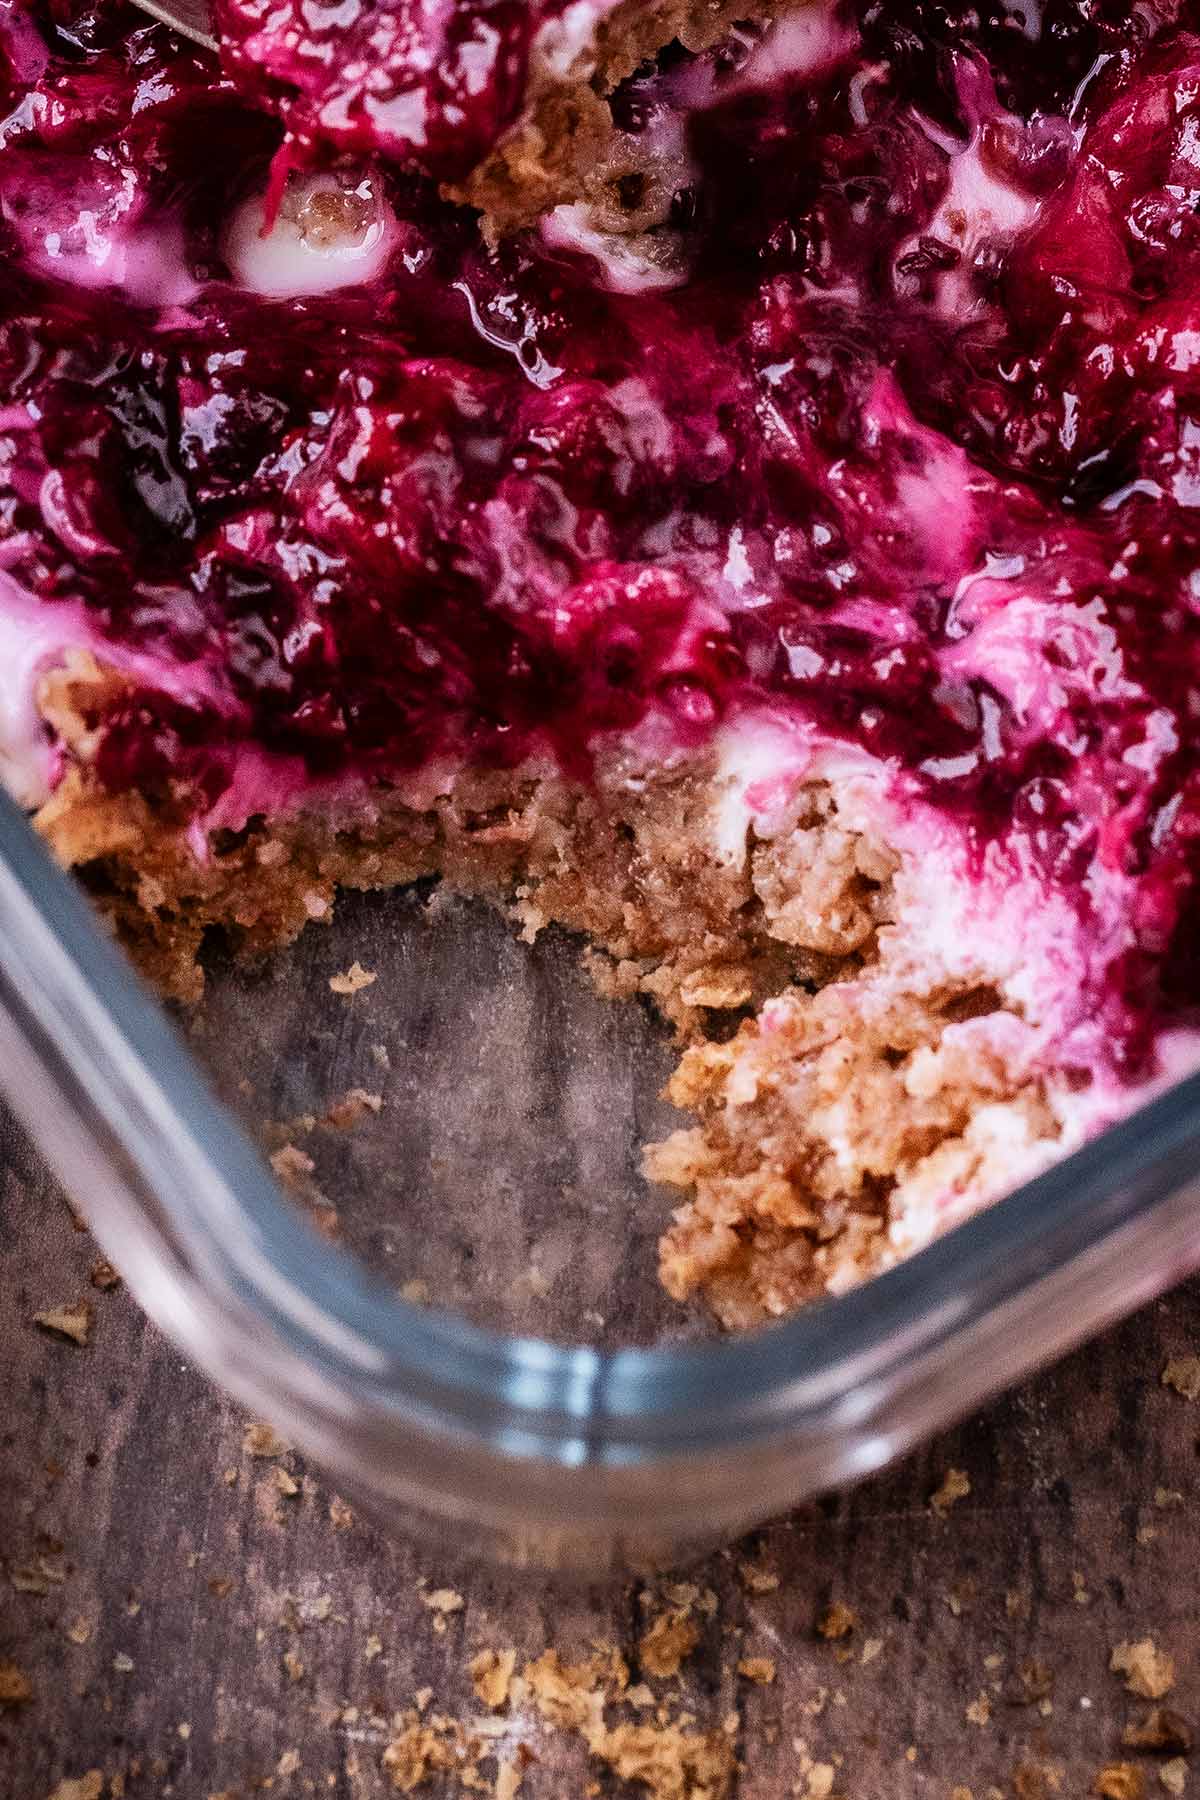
[(907, 444), (432, 81)]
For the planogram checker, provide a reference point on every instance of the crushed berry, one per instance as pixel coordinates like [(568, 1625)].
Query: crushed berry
[(433, 84), (913, 452)]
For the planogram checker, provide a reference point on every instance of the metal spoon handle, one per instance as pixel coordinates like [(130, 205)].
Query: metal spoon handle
[(191, 18)]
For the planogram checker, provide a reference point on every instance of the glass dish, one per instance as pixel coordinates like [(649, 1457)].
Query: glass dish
[(592, 1455)]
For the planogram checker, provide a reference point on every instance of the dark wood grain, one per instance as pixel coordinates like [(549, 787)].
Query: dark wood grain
[(180, 1552)]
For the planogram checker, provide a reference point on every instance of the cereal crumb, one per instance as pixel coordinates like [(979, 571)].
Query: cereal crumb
[(15, 1688), (836, 1621), (103, 1276), (955, 1486), (756, 1580), (372, 1648), (1160, 1729), (979, 1712), (80, 1787), (74, 1322), (1034, 1683), (871, 1648), (287, 1484), (421, 1750), (1164, 1497), (122, 1663), (1119, 1781), (667, 1643), (1148, 1671), (509, 1776), (416, 1292), (39, 1577), (669, 1760), (1033, 1781), (293, 1665), (288, 1763), (1173, 1775), (816, 1778), (340, 1515), (443, 1601), (354, 1105), (292, 1165), (1183, 1374), (760, 1669), (80, 1630), (491, 1675), (263, 1440), (353, 981)]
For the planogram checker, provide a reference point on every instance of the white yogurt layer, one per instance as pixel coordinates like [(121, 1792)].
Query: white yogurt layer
[(959, 923), (33, 638), (641, 263), (332, 230)]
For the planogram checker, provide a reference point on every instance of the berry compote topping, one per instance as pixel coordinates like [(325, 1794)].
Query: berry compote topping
[(903, 446), (433, 82)]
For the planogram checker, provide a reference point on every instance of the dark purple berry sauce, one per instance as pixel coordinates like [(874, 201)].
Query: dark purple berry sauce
[(906, 442), (432, 81)]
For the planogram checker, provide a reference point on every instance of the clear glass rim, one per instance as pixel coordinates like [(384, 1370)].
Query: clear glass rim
[(226, 1265)]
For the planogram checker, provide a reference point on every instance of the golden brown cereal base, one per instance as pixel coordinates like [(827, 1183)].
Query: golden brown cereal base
[(858, 1095), (560, 151)]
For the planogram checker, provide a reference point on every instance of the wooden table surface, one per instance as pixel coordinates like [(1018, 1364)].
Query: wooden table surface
[(189, 1625)]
